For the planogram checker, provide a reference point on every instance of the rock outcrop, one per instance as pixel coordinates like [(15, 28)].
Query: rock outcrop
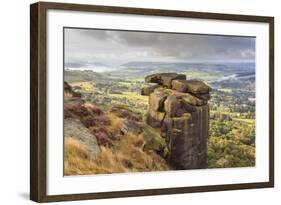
[(179, 108), (75, 129), (69, 92), (73, 126)]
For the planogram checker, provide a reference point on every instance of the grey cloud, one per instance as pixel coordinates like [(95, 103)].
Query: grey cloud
[(116, 47), (74, 64)]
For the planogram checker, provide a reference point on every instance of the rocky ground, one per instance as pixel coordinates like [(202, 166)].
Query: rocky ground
[(109, 141)]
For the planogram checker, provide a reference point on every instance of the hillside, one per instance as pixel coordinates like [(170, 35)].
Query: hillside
[(123, 143), (206, 71), (83, 75)]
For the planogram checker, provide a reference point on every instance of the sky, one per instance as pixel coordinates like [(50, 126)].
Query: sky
[(92, 47)]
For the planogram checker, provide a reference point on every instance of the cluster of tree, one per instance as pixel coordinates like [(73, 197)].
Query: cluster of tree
[(231, 144), (229, 153), (239, 101)]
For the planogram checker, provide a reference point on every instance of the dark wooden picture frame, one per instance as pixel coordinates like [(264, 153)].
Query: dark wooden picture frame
[(38, 100)]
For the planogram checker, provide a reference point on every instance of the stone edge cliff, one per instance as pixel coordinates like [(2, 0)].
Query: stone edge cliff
[(179, 109)]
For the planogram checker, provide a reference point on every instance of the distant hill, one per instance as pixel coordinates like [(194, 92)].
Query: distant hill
[(84, 75), (93, 66), (138, 69), (229, 75)]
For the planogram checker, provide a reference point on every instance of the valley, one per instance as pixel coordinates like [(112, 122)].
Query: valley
[(232, 106)]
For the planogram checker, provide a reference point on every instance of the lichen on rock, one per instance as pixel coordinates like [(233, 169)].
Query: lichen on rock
[(164, 79), (148, 89), (190, 86)]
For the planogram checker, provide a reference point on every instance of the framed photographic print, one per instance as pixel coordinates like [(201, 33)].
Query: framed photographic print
[(134, 102)]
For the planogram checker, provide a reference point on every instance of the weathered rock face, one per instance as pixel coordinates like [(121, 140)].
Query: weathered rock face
[(149, 89), (191, 86), (131, 126), (75, 129), (164, 79), (180, 109)]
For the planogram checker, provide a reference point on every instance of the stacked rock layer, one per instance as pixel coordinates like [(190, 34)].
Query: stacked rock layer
[(179, 108)]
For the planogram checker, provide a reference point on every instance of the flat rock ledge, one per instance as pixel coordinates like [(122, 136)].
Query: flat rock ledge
[(179, 108)]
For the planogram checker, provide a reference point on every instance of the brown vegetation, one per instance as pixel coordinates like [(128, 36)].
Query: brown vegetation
[(120, 151), (127, 155)]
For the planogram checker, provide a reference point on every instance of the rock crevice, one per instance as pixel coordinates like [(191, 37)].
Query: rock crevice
[(179, 108)]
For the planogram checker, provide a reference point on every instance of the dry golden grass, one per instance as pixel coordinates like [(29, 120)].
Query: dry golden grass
[(76, 161), (132, 146), (116, 123), (127, 155), (67, 95)]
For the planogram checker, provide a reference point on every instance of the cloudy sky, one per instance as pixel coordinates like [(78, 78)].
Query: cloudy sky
[(88, 47)]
